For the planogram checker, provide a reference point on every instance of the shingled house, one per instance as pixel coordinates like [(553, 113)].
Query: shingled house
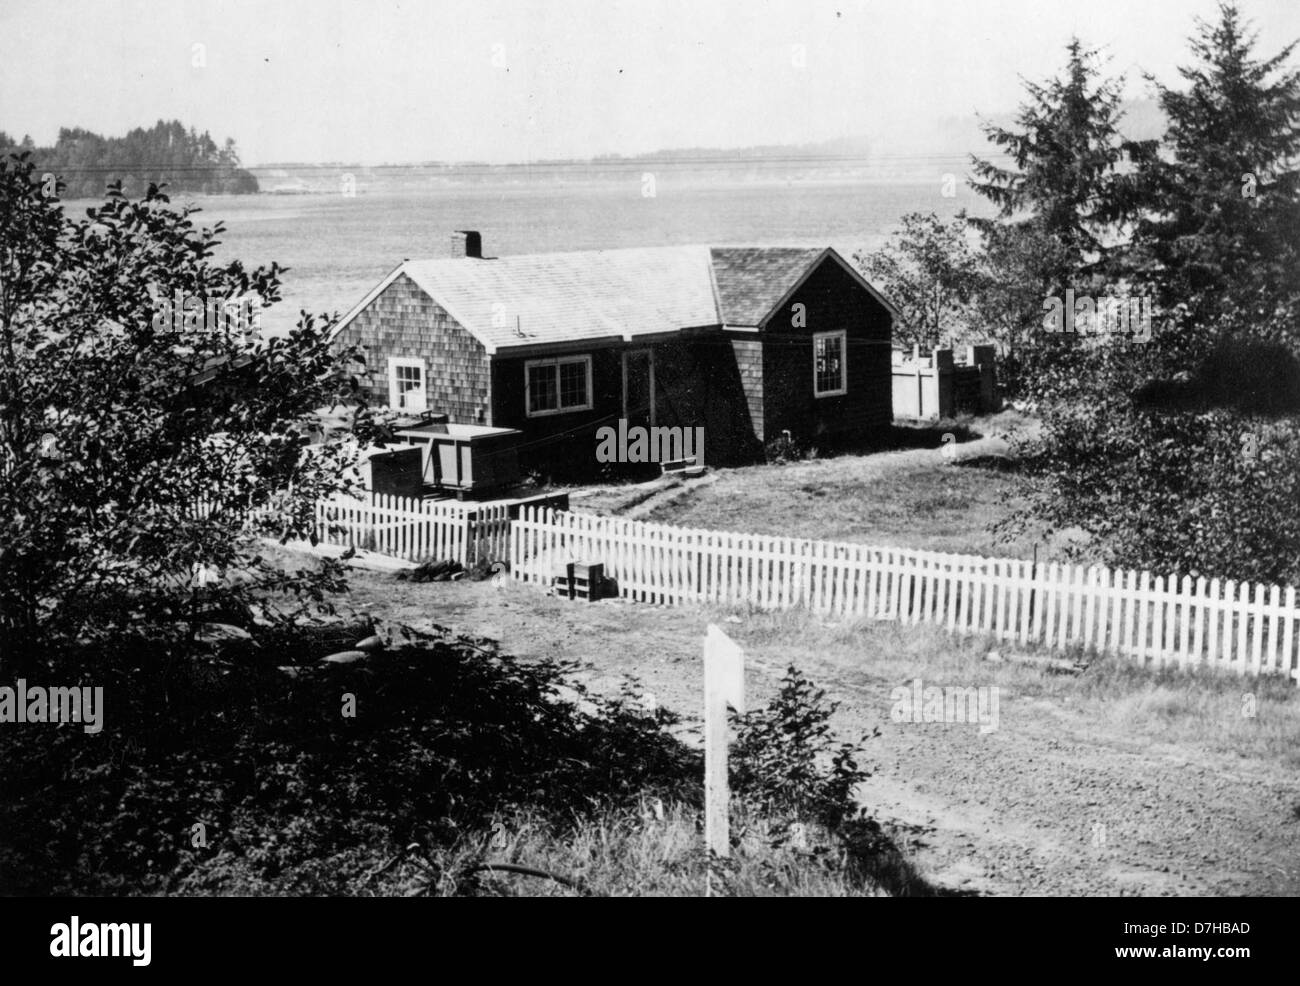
[(746, 342)]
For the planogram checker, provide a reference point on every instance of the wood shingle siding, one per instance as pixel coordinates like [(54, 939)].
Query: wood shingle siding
[(748, 352), (404, 321)]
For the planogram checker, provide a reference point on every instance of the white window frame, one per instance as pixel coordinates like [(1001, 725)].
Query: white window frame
[(843, 388), (410, 362), (555, 362)]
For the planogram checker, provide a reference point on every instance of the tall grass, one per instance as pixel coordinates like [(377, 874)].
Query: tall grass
[(1253, 717), (655, 852)]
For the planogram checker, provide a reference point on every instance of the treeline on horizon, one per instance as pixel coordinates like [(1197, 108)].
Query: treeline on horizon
[(166, 152)]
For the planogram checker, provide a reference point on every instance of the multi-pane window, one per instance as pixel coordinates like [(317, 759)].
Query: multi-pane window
[(828, 364), (558, 385), (573, 384), (409, 378), (406, 383)]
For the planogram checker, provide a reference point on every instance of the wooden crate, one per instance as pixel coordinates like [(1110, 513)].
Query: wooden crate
[(579, 580), (587, 581), (562, 579)]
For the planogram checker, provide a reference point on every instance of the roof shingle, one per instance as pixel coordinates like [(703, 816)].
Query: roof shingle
[(751, 280), (565, 297), (555, 297)]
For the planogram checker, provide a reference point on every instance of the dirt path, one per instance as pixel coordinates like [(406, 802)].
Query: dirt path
[(1049, 803), (1046, 805)]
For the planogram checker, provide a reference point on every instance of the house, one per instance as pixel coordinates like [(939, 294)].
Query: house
[(744, 342)]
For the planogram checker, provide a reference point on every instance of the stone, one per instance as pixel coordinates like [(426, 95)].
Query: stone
[(222, 634), (345, 657)]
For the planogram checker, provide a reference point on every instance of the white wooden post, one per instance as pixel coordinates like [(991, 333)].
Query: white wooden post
[(724, 682)]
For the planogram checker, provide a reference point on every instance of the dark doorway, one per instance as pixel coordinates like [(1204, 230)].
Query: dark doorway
[(638, 387)]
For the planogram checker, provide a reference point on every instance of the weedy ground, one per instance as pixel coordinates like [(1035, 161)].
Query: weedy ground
[(1118, 779), (655, 851)]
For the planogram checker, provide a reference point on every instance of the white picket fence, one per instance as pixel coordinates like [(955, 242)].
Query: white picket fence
[(1157, 621), (415, 529), (406, 528)]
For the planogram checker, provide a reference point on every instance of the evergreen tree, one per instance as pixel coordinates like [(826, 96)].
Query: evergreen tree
[(1215, 206), (1052, 230), (1065, 150), (1180, 455)]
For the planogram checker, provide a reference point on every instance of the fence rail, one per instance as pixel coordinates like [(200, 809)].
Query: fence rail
[(411, 529), (1159, 621), (415, 530), (1251, 629)]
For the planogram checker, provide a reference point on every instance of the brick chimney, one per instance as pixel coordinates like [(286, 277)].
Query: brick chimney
[(466, 243)]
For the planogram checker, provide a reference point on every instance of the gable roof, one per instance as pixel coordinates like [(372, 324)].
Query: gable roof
[(553, 297), (751, 280), (536, 299)]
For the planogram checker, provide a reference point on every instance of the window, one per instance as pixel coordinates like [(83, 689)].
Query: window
[(558, 385), (406, 383), (829, 377)]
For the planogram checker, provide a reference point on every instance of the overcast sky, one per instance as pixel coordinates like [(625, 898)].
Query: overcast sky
[(380, 81)]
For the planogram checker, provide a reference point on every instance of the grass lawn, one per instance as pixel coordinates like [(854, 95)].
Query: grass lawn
[(911, 498)]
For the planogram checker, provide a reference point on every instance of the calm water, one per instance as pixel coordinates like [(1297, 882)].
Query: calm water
[(338, 248)]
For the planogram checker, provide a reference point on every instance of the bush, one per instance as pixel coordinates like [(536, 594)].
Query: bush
[(1158, 476), (786, 762), (448, 732), (134, 442), (231, 775)]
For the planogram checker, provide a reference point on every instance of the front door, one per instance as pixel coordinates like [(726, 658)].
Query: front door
[(639, 387)]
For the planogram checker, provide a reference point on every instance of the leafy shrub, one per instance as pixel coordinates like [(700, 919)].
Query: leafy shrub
[(133, 448), (447, 733), (1162, 479), (785, 760), (293, 797)]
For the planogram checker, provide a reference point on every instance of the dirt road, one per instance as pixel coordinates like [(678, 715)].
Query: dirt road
[(1050, 803)]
